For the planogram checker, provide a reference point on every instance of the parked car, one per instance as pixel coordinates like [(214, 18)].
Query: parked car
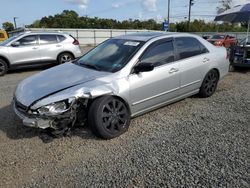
[(121, 78), (3, 35), (244, 42), (206, 36), (222, 40), (240, 54), (37, 48)]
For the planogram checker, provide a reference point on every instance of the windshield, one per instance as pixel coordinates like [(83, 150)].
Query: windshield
[(218, 37), (110, 56), (9, 40)]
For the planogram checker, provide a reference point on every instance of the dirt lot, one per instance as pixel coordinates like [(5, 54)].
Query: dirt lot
[(193, 143)]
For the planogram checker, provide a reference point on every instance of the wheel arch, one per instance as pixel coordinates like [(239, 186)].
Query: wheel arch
[(217, 70), (65, 52), (115, 96), (6, 60)]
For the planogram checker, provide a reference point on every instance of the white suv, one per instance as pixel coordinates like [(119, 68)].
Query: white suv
[(37, 48)]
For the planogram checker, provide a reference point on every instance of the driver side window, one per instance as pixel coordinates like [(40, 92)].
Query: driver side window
[(28, 40), (159, 53)]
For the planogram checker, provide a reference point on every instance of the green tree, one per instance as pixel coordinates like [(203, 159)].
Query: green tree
[(70, 19), (36, 24), (8, 26)]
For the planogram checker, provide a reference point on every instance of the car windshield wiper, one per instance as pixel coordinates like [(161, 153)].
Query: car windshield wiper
[(91, 66)]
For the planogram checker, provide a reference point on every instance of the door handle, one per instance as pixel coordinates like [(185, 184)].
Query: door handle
[(173, 70), (58, 45), (205, 60), (34, 48)]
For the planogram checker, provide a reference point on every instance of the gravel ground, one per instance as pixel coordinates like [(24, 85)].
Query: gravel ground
[(192, 143)]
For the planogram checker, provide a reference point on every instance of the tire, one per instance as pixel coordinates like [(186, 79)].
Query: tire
[(108, 117), (209, 84), (3, 67), (64, 57)]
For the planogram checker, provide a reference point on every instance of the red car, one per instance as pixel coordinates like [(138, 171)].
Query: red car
[(222, 40)]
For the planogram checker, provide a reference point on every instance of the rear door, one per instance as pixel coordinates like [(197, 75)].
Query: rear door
[(194, 59), (50, 47), (26, 52), (149, 89)]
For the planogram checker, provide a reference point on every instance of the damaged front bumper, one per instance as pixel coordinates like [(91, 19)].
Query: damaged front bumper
[(32, 121), (43, 122)]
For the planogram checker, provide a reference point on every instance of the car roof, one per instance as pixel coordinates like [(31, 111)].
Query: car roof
[(146, 36), (45, 32), (224, 34)]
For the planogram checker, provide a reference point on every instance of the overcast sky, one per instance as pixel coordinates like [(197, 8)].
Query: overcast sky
[(28, 11)]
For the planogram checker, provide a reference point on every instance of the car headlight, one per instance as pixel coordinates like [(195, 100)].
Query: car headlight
[(218, 42), (56, 108)]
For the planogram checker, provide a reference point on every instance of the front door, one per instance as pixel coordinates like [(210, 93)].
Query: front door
[(150, 89), (26, 52)]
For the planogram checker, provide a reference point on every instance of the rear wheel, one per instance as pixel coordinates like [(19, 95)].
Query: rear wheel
[(108, 117), (209, 84), (65, 57), (3, 67)]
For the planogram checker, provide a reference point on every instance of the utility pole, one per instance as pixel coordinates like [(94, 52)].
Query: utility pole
[(15, 21), (191, 3), (168, 10)]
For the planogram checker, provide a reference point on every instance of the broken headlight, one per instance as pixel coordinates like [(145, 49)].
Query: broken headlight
[(56, 108)]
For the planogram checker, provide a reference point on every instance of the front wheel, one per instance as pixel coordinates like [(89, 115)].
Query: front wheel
[(108, 117), (209, 84), (3, 67), (65, 57)]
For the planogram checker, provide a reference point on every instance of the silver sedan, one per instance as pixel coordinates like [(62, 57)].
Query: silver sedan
[(121, 78)]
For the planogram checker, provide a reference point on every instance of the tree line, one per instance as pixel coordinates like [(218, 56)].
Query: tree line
[(70, 19)]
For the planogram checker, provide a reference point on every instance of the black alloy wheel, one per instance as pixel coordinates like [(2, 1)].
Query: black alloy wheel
[(108, 117), (209, 84)]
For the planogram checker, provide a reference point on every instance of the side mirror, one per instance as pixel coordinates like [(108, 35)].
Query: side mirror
[(143, 67), (15, 44)]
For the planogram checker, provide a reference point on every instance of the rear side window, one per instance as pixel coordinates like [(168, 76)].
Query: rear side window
[(159, 53), (189, 47), (28, 40), (48, 39), (203, 48), (61, 38)]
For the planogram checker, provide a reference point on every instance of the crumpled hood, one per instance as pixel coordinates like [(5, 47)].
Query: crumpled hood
[(53, 80)]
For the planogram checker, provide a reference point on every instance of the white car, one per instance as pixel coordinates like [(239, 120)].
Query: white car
[(37, 48)]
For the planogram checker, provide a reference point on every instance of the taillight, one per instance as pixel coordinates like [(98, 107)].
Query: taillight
[(76, 42)]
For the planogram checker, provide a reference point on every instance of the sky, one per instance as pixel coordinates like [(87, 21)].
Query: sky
[(27, 11)]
